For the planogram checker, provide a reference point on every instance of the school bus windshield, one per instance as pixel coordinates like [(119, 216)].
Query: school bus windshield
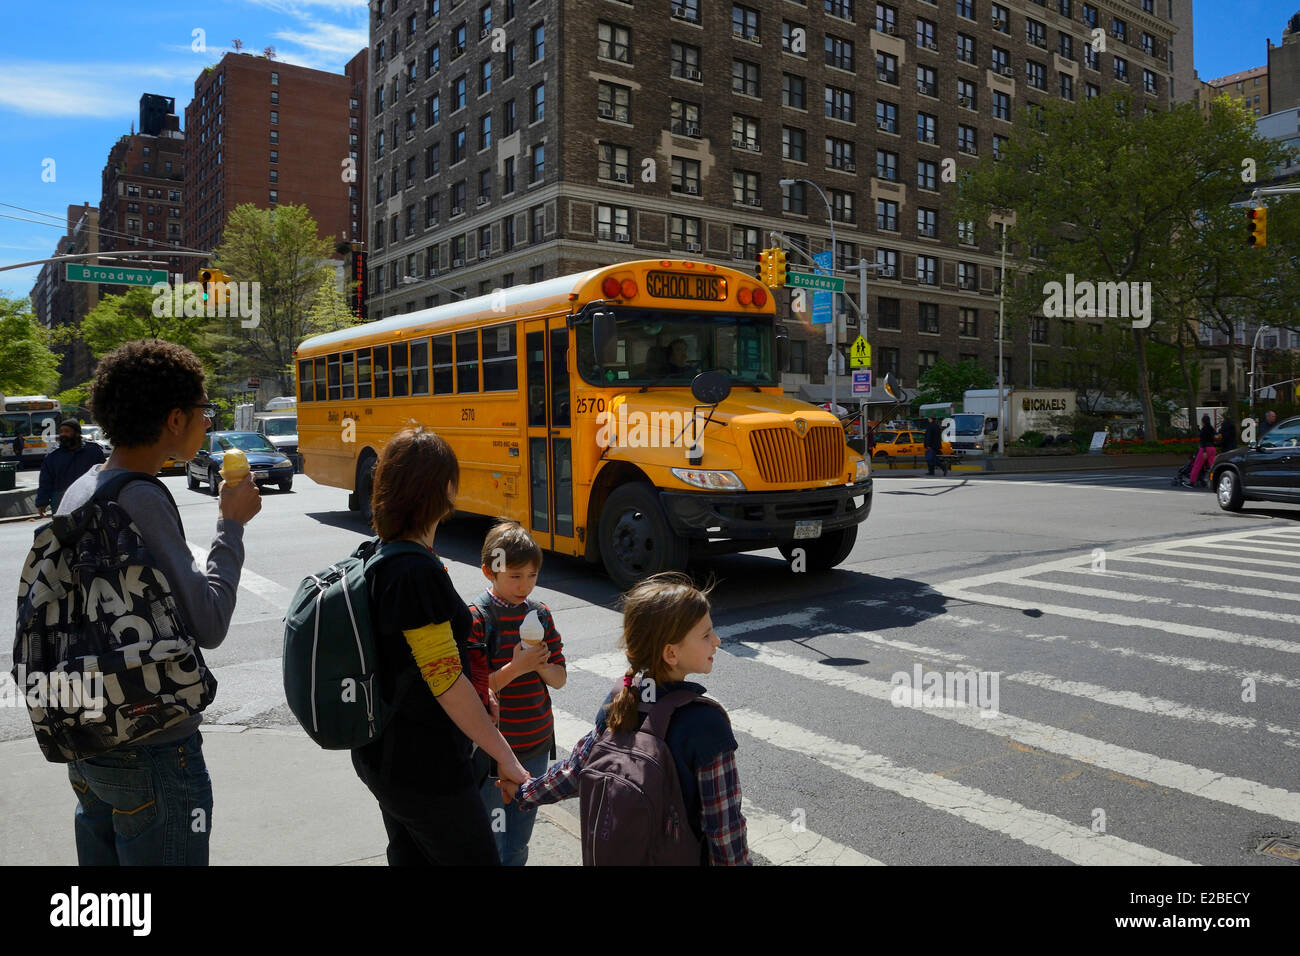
[(672, 347)]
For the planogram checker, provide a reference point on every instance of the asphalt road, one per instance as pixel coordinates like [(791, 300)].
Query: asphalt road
[(1133, 648)]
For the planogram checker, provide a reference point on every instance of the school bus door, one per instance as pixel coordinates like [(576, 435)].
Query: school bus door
[(549, 434)]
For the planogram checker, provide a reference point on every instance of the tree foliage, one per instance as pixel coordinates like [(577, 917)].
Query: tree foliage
[(943, 382), (1105, 190), (117, 319), (27, 365)]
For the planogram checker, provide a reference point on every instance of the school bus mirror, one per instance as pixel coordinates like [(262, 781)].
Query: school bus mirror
[(711, 388), (603, 331)]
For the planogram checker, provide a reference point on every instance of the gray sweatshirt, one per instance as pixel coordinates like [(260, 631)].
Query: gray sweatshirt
[(205, 599)]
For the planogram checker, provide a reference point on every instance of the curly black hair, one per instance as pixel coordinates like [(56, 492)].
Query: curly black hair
[(138, 384)]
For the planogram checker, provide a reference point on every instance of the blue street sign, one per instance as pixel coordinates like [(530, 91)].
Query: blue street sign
[(823, 302)]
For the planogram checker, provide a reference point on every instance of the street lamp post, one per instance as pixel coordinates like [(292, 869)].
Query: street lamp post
[(1002, 311), (412, 280), (1259, 331), (835, 314)]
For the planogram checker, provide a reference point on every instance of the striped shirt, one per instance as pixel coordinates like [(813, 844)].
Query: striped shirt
[(526, 720)]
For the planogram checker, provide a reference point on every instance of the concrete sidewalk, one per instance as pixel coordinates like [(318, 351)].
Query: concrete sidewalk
[(279, 800), (21, 501)]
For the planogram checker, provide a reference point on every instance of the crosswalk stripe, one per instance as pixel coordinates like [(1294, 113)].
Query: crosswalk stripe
[(1255, 549), (276, 594), (1126, 597), (997, 814), (768, 834), (1220, 559), (1123, 620), (1080, 485), (1208, 784), (1189, 583), (1137, 559)]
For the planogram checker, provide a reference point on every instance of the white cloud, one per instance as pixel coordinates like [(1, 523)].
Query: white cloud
[(99, 90)]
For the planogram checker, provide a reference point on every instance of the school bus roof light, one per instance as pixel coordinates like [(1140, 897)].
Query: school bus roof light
[(628, 288), (665, 263), (687, 264)]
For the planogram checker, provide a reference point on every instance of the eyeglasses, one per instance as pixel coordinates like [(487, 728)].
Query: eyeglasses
[(209, 409)]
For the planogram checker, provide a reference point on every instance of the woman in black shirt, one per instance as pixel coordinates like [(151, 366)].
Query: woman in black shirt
[(419, 769)]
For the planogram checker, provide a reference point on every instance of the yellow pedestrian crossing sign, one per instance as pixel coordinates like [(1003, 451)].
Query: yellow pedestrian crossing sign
[(860, 353)]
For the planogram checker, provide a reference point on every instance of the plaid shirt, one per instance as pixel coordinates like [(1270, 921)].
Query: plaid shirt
[(719, 784)]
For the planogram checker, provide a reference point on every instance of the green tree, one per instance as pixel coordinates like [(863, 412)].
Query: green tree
[(117, 319), (279, 250), (1129, 205), (943, 382), (27, 365)]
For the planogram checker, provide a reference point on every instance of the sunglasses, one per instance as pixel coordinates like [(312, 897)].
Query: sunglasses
[(209, 409)]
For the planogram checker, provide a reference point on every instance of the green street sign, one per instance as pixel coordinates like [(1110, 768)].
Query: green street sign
[(115, 275), (805, 280)]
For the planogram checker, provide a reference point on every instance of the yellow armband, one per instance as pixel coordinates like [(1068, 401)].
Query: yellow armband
[(435, 653)]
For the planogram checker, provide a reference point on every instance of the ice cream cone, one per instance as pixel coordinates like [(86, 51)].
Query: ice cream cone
[(234, 466)]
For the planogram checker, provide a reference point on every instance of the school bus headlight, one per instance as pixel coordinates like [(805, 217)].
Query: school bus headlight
[(710, 480), (862, 471)]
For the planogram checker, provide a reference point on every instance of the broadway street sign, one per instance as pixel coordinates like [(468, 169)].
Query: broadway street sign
[(115, 275), (805, 280)]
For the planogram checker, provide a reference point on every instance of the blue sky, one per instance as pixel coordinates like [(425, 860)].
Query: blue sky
[(72, 71)]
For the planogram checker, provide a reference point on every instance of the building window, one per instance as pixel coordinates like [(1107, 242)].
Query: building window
[(537, 111), (685, 233), (793, 144), (925, 127), (925, 360), (966, 276), (927, 270), (612, 223), (613, 42), (839, 54), (485, 131), (458, 146), (967, 95), (794, 199), (538, 168), (1001, 19), (1121, 69), (1000, 60), (889, 314), (432, 60), (886, 215), (685, 176), (1067, 86), (275, 155), (886, 116), (614, 102), (744, 243), (432, 111), (966, 142), (1036, 75), (839, 154), (788, 33), (744, 188), (966, 231), (458, 93), (887, 165), (744, 77), (888, 361), (684, 118), (510, 59), (688, 10), (536, 221), (839, 104), (1001, 105), (965, 48), (1035, 33), (485, 77), (275, 78), (539, 42), (792, 91), (509, 123), (744, 133), (927, 318), (966, 8), (274, 198), (685, 61), (926, 81), (1065, 46), (926, 34), (508, 176), (968, 323), (612, 162), (927, 223), (842, 206), (744, 22)]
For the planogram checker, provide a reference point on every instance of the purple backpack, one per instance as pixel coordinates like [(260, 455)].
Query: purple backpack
[(630, 799)]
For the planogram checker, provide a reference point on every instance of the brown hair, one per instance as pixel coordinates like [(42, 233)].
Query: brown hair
[(514, 543), (410, 487), (659, 611)]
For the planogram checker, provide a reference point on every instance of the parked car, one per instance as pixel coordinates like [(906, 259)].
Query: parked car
[(1264, 470), (94, 435), (268, 466), (903, 444)]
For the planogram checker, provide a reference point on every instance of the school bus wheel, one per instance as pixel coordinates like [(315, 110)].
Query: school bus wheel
[(824, 553), (636, 540)]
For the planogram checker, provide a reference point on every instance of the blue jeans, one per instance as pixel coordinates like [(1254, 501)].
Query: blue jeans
[(512, 827), (149, 805)]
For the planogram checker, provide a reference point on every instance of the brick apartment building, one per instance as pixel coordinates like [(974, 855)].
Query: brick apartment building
[(143, 187), (512, 141), (268, 133), (57, 302)]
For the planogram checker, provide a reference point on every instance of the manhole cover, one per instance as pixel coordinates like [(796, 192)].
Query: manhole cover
[(1288, 850)]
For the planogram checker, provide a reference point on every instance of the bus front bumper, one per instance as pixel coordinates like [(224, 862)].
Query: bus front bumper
[(765, 515)]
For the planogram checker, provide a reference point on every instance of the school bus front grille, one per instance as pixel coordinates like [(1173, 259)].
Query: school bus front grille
[(781, 455)]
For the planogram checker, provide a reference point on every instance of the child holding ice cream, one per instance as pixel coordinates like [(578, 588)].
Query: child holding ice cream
[(524, 657)]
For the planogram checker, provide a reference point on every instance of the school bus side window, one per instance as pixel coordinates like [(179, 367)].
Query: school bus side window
[(305, 381), (381, 371), (319, 374), (363, 373), (399, 371), (443, 373), (500, 367), (333, 378), (420, 367), (467, 361), (349, 377)]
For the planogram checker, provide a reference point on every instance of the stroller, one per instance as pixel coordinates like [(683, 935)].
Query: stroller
[(1184, 475)]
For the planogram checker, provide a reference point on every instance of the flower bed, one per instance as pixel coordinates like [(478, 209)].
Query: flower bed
[(1167, 446)]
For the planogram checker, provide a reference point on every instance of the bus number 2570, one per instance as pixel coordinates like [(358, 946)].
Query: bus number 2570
[(586, 405)]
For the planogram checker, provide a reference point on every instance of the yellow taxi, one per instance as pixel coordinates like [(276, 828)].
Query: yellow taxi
[(904, 443), (173, 464)]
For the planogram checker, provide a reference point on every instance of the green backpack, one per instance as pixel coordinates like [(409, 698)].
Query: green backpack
[(330, 660)]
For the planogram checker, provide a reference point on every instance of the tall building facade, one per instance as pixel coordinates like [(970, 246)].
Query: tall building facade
[(142, 203), (1283, 71), (268, 133), (58, 302), (512, 141), (1248, 87)]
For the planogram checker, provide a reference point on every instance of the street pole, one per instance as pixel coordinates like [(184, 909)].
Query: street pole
[(1002, 312), (1192, 412), (835, 313)]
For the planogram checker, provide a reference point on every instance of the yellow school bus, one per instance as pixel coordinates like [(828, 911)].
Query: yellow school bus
[(630, 414)]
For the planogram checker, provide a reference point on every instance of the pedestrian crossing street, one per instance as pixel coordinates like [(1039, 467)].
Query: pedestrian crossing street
[(1121, 734)]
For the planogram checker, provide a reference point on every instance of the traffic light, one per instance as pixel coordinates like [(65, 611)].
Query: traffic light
[(214, 283), (1257, 227), (777, 279), (760, 268)]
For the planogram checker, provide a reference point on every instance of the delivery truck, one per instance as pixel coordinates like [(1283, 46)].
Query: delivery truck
[(1046, 410)]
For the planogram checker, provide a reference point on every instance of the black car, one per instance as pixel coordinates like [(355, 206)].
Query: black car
[(267, 465), (1264, 470)]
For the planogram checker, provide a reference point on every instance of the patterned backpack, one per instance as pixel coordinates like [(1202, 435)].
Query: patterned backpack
[(101, 653)]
